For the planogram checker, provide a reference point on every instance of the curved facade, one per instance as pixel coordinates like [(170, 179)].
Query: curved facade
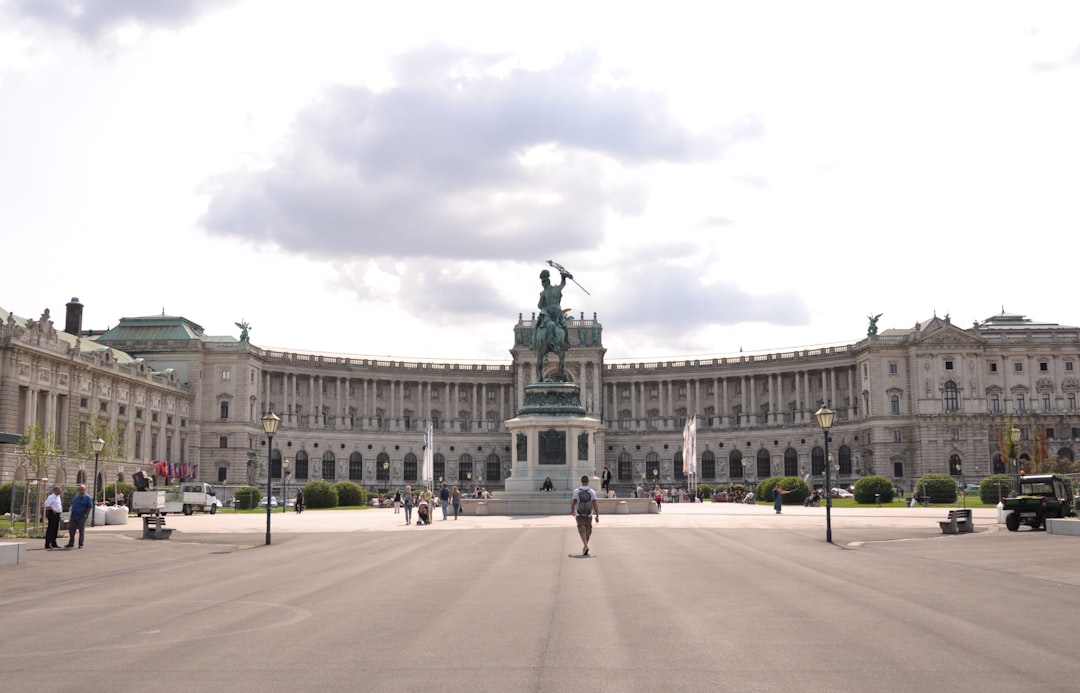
[(928, 398)]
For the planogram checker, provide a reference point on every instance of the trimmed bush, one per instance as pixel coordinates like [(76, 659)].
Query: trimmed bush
[(349, 493), (994, 488), (247, 497), (940, 488), (799, 491), (704, 491), (867, 487), (124, 488), (319, 494)]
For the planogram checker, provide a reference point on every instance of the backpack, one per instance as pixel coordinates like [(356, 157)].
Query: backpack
[(444, 493), (585, 501)]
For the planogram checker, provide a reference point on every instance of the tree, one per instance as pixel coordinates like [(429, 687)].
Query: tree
[(39, 448), (1008, 447), (1040, 451)]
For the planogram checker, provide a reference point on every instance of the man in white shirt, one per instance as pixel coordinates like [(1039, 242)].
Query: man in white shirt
[(54, 505), (583, 507)]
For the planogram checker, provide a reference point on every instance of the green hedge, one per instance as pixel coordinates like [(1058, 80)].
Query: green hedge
[(124, 488), (247, 497), (798, 490), (349, 494), (869, 487), (704, 491), (319, 494), (941, 488), (994, 488)]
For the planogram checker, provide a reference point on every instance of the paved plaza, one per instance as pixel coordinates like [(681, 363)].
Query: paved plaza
[(717, 596)]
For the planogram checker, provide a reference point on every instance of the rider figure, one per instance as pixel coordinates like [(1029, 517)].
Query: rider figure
[(550, 304)]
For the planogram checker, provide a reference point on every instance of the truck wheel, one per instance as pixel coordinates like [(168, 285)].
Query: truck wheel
[(1012, 521), (188, 510), (213, 509)]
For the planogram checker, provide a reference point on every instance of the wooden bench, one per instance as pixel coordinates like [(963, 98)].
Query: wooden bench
[(153, 527), (959, 521)]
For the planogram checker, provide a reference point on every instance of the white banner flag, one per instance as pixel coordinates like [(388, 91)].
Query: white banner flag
[(428, 472), (689, 446)]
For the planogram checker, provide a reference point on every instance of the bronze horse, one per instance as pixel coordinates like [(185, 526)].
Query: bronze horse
[(549, 338)]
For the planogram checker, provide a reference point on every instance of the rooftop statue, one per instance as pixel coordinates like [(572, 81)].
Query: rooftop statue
[(244, 326), (871, 330)]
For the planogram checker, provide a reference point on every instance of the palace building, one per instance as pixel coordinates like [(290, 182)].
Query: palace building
[(929, 398)]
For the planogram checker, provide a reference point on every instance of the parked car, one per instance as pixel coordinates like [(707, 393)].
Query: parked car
[(842, 493), (971, 490), (273, 502)]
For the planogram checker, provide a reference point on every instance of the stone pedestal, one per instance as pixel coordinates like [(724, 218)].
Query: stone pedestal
[(551, 438)]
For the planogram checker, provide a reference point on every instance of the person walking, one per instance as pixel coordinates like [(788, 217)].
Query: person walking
[(407, 501), (444, 499), (455, 500), (583, 507), (397, 501), (298, 504), (778, 498), (81, 507), (54, 506), (658, 496)]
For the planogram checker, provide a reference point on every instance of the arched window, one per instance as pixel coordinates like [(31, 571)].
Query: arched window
[(1066, 454), (735, 465), (465, 469), (708, 465), (493, 468), (652, 468), (817, 461), (438, 465), (301, 465), (356, 467), (952, 401), (791, 462), (678, 465), (843, 457), (764, 464), (410, 467), (625, 467), (275, 464), (329, 466)]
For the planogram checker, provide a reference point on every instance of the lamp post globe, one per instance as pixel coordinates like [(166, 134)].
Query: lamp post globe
[(825, 418), (98, 445), (270, 424)]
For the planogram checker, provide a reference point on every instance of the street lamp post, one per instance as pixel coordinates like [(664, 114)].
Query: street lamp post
[(270, 424), (1014, 435), (98, 445), (963, 486), (386, 475), (825, 417), (285, 478)]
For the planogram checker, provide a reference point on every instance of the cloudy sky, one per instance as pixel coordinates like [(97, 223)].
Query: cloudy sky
[(390, 178)]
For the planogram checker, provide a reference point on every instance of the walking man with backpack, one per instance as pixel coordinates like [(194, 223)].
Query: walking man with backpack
[(444, 499), (583, 507)]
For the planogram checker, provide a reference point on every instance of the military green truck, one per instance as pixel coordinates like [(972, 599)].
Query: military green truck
[(1039, 497)]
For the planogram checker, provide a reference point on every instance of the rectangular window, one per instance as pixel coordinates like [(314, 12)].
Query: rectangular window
[(1071, 398), (1018, 366), (168, 447), (1068, 365), (223, 442), (948, 365), (896, 437), (225, 374), (356, 470), (991, 366), (406, 392), (105, 407), (894, 404), (893, 369), (153, 417), (378, 391), (1020, 403), (138, 413), (956, 433), (463, 395), (434, 393), (183, 423), (995, 403), (491, 395), (224, 410), (1046, 402), (1049, 434), (84, 402), (138, 445), (653, 393), (168, 420), (1044, 366)]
